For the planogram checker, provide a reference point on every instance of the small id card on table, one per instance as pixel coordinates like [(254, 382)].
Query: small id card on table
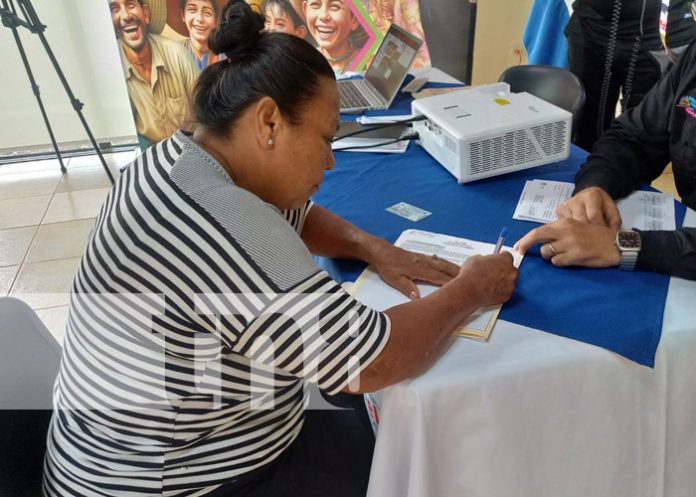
[(408, 211)]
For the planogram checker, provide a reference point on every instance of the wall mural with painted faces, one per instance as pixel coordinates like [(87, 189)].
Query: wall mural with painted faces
[(164, 45), (347, 32)]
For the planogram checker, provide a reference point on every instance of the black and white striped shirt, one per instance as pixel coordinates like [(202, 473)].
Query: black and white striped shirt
[(196, 316)]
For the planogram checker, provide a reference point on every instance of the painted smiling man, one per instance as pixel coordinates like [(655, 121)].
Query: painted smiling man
[(160, 74)]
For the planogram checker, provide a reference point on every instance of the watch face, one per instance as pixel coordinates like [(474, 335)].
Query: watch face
[(628, 239)]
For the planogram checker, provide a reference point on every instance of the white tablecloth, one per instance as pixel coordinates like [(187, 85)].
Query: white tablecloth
[(531, 414)]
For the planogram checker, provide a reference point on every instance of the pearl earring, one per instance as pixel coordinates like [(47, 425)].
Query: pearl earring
[(270, 142)]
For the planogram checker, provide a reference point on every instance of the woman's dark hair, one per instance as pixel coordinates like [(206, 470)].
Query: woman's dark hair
[(216, 9), (286, 7), (259, 64)]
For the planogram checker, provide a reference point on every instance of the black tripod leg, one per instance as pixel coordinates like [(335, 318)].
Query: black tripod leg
[(77, 105), (37, 93)]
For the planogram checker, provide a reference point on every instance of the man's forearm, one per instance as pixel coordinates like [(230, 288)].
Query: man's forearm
[(669, 252)]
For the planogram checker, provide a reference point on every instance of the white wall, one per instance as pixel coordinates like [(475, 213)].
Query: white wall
[(81, 36)]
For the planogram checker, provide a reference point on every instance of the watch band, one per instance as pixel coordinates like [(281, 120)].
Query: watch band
[(628, 260)]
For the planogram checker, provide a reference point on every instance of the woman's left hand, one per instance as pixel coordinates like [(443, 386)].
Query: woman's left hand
[(401, 269)]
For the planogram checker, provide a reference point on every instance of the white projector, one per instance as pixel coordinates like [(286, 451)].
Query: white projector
[(486, 131)]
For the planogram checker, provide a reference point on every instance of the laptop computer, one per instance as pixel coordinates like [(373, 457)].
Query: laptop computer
[(384, 76)]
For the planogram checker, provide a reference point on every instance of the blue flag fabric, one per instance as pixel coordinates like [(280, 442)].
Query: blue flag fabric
[(543, 37)]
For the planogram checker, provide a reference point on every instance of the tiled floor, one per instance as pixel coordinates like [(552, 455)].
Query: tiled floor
[(46, 219)]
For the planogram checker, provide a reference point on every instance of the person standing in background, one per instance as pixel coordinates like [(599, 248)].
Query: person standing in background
[(614, 47)]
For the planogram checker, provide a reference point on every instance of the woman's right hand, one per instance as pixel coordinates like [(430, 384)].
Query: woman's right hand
[(492, 277), (421, 328)]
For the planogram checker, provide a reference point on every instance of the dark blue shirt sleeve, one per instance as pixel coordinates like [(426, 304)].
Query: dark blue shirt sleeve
[(669, 252)]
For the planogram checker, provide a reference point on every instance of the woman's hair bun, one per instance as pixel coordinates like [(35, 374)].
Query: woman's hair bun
[(239, 31)]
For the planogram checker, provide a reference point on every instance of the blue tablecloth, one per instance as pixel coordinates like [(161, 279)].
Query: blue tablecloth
[(620, 311)]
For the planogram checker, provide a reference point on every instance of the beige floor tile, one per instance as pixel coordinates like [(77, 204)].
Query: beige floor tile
[(14, 244), (117, 159), (75, 205), (29, 184), (86, 178), (7, 276), (60, 240), (18, 212), (55, 319), (30, 166), (45, 284)]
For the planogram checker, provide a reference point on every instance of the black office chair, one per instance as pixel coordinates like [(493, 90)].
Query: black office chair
[(554, 84), (29, 362)]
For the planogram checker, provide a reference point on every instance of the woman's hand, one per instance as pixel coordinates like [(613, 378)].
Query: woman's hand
[(591, 205), (493, 277), (569, 242), (401, 268)]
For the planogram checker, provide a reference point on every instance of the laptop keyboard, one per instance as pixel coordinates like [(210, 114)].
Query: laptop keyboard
[(351, 97)]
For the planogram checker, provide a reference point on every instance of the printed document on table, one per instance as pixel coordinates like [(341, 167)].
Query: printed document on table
[(643, 210), (647, 211), (371, 290), (540, 199)]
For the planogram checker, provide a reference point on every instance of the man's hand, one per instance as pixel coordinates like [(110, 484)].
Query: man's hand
[(591, 205), (401, 269), (569, 242)]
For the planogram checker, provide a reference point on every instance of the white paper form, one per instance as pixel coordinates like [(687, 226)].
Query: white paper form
[(371, 290), (647, 211), (540, 199), (643, 210)]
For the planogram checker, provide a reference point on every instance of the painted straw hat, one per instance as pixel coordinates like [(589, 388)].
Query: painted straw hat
[(158, 15)]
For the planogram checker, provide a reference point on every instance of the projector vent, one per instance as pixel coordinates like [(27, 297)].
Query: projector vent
[(501, 151), (551, 137), (449, 143), (515, 147)]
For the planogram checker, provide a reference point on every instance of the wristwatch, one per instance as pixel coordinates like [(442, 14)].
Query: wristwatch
[(628, 242)]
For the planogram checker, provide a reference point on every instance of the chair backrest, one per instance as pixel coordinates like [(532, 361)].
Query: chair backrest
[(29, 362), (554, 84)]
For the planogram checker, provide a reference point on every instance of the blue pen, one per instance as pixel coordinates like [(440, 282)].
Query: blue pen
[(501, 240)]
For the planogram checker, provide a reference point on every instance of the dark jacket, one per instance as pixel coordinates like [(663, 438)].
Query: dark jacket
[(636, 150), (596, 17)]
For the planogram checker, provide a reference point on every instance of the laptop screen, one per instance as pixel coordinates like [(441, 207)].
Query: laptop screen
[(392, 61)]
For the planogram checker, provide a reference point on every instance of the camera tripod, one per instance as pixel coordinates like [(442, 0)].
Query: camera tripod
[(10, 15)]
